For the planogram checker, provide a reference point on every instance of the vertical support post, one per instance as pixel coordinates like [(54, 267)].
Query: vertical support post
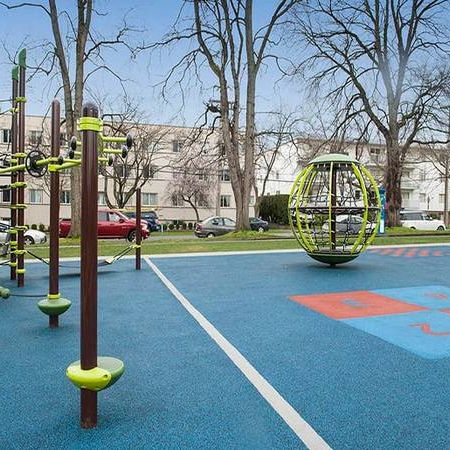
[(138, 229), (13, 192), (53, 282), (89, 192), (20, 174), (53, 305), (333, 206)]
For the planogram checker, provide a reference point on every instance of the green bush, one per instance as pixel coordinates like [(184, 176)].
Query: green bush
[(33, 226), (274, 208), (42, 227), (171, 226), (190, 225), (184, 225)]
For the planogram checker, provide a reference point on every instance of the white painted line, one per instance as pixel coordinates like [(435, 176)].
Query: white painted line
[(237, 252), (299, 426)]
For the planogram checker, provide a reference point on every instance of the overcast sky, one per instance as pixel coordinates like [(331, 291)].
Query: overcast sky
[(154, 17)]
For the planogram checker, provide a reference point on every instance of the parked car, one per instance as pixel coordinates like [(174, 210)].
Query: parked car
[(214, 226), (148, 216), (419, 220), (346, 223), (258, 224), (112, 224), (30, 236)]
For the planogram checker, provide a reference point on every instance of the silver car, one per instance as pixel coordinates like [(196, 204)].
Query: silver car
[(214, 226)]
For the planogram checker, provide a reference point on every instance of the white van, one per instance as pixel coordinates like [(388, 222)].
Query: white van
[(419, 220)]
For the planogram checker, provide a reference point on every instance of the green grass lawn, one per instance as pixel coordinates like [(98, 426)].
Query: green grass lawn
[(232, 242)]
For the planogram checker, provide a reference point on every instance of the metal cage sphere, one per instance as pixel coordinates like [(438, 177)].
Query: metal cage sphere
[(334, 208)]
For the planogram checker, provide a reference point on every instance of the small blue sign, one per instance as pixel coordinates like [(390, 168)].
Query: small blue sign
[(383, 209)]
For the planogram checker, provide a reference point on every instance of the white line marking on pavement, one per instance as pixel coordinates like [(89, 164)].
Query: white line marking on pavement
[(300, 427)]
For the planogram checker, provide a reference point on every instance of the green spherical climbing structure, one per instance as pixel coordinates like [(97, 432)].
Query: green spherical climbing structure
[(334, 208)]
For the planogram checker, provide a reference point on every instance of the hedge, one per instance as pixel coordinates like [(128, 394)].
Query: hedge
[(274, 209)]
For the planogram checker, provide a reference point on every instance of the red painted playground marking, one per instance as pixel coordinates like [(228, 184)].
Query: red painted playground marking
[(407, 252), (425, 327), (349, 305)]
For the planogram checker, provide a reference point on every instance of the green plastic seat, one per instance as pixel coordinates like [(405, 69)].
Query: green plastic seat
[(107, 372), (54, 307), (4, 292)]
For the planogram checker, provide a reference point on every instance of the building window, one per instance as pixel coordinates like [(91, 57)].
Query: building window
[(225, 201), (422, 175), (64, 197), (406, 195), (35, 196), (6, 196), (35, 137), (252, 200), (177, 146), (122, 170), (149, 171), (177, 200), (6, 136), (277, 175), (149, 198), (201, 200), (202, 175), (224, 175), (422, 198), (374, 154), (101, 198)]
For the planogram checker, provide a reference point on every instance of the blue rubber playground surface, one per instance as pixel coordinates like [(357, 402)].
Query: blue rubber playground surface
[(264, 350)]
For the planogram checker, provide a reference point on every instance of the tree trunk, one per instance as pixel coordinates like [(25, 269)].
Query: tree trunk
[(392, 183)]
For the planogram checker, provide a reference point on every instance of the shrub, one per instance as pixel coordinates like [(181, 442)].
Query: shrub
[(274, 208), (33, 226), (171, 226), (42, 227), (184, 226), (190, 225)]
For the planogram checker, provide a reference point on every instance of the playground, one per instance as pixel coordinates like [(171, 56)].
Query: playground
[(249, 350)]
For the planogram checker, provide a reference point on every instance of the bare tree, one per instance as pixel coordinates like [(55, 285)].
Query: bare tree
[(226, 45), (380, 60), (143, 162), (275, 143), (77, 51), (193, 185)]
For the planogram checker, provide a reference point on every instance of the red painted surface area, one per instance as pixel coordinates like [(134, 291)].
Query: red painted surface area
[(350, 305), (426, 328)]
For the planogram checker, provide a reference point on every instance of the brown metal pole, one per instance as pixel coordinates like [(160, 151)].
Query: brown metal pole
[(13, 195), (89, 192), (138, 229), (21, 175), (53, 284)]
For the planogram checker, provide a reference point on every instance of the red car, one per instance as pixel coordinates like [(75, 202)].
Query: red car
[(112, 224)]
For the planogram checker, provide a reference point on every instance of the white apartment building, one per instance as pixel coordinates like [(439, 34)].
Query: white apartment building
[(167, 160), (422, 182)]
